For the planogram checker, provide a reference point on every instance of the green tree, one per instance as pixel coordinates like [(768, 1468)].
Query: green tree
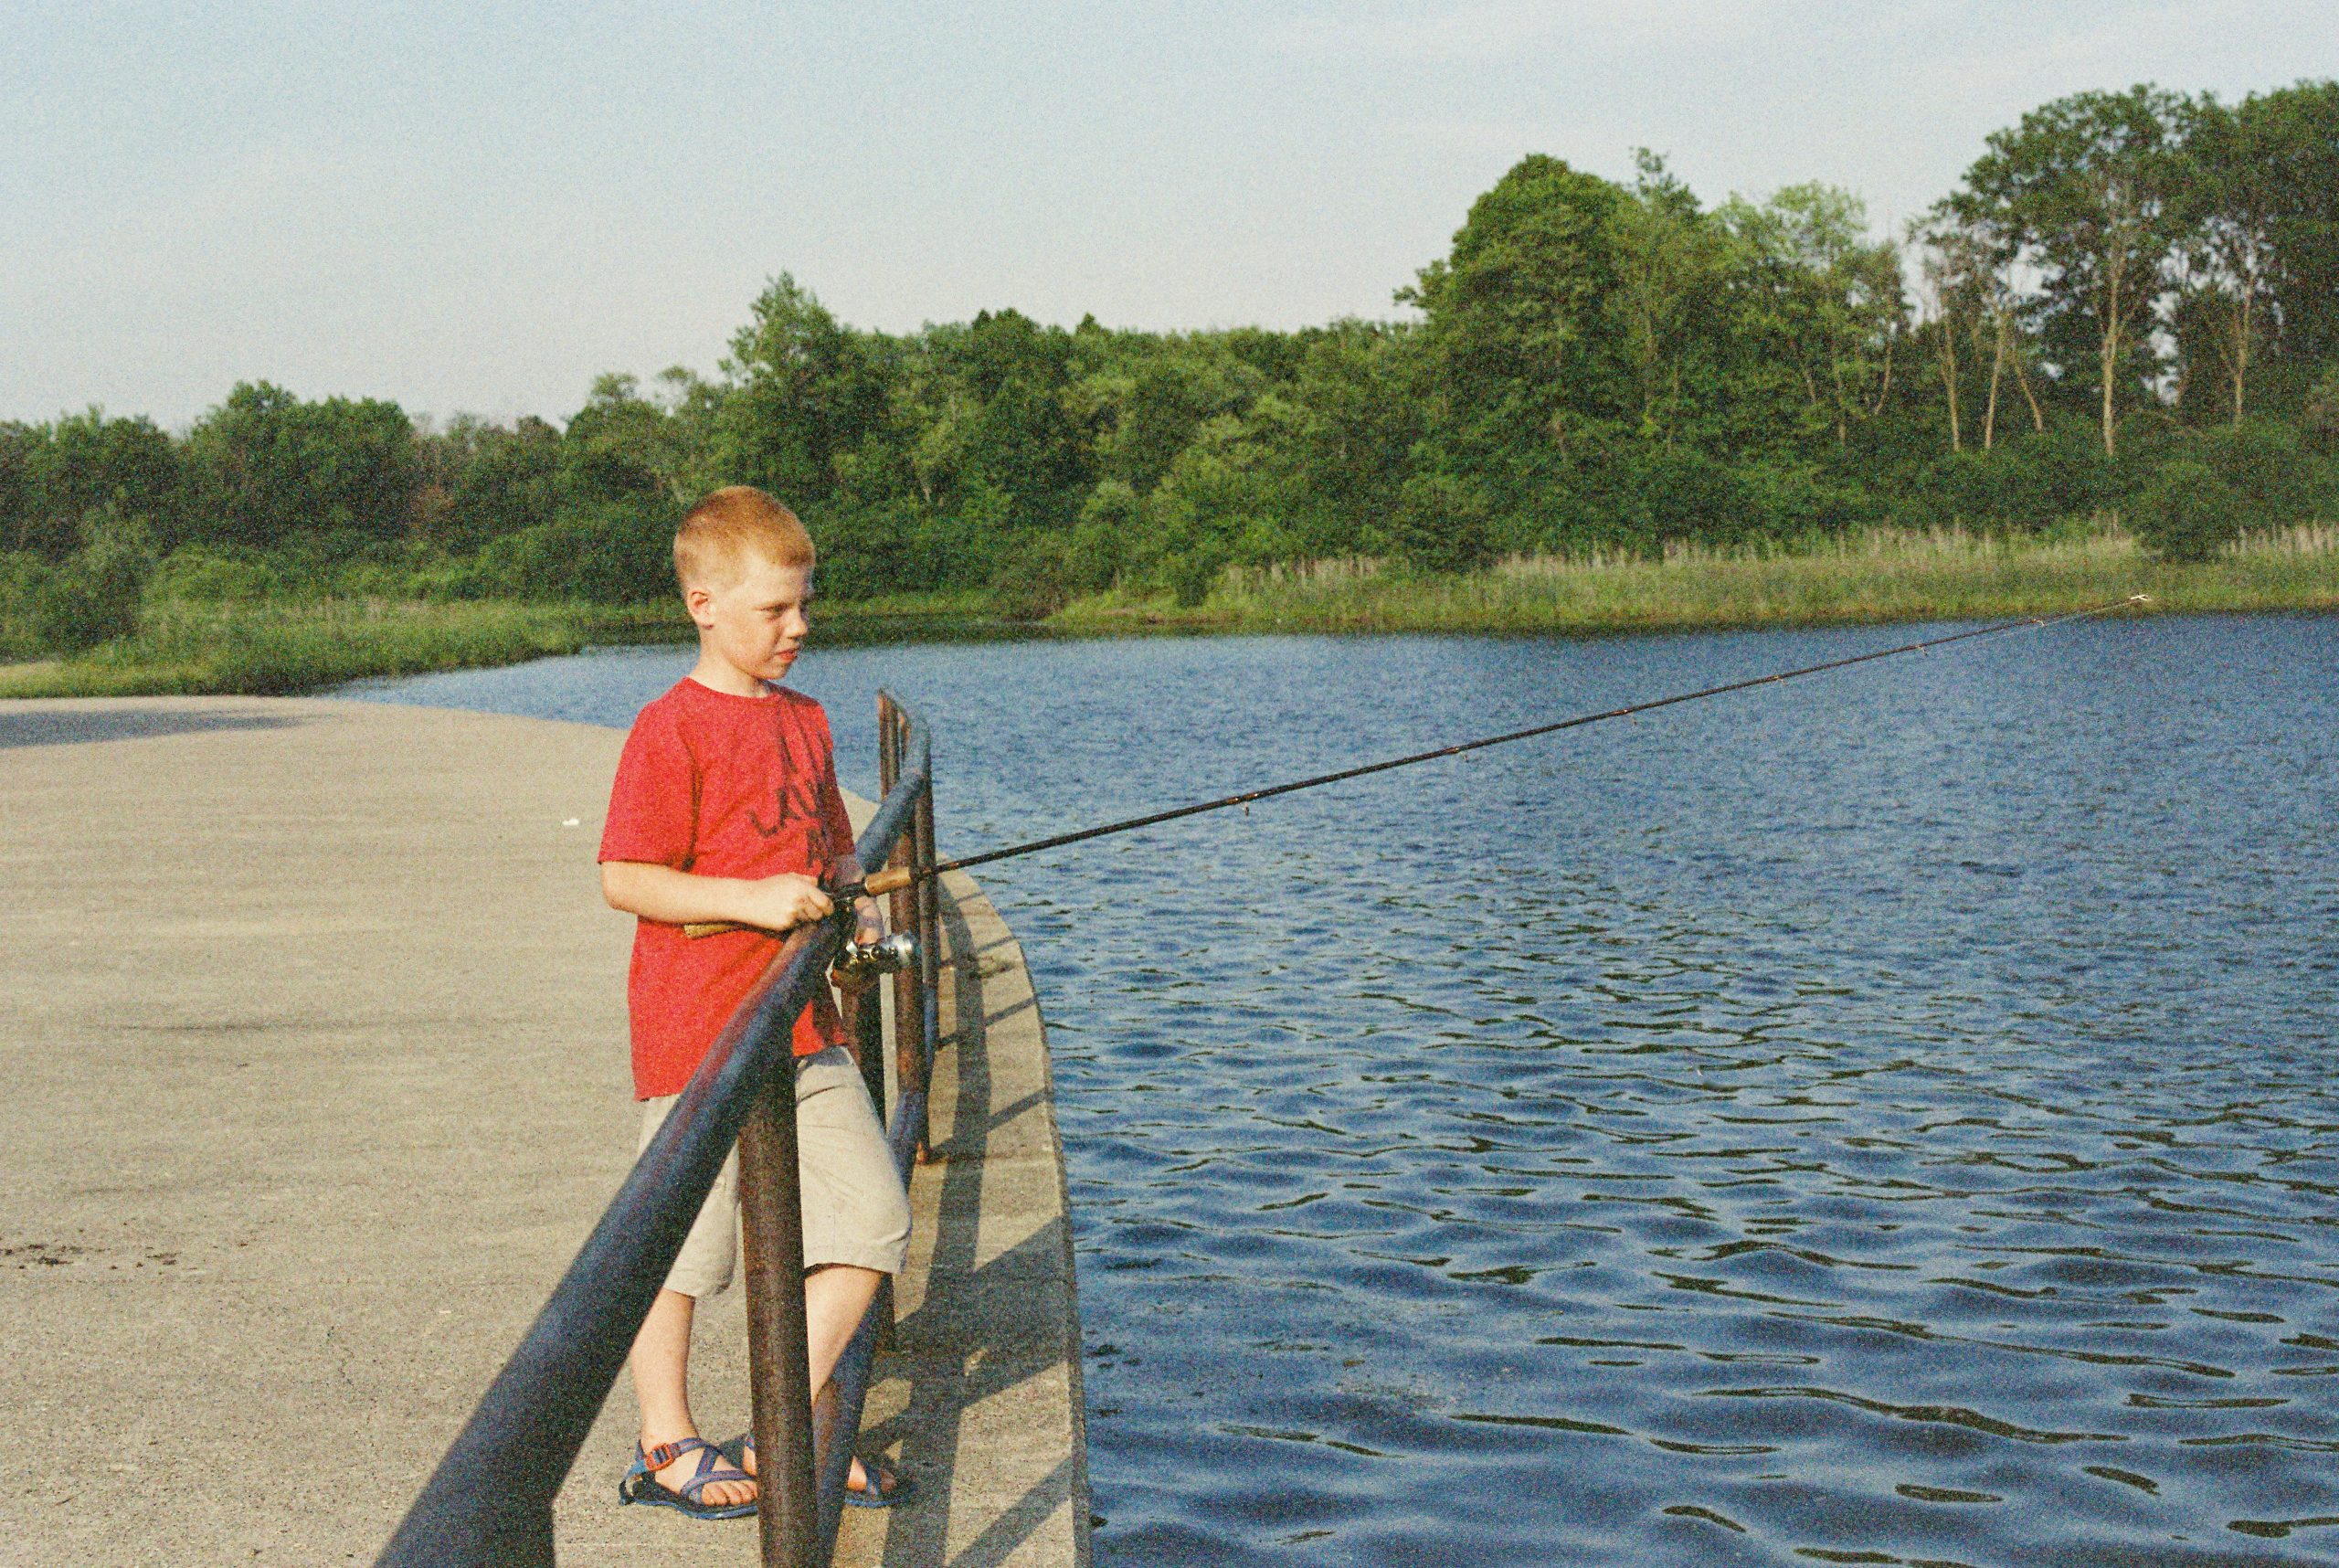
[(1673, 264), (1102, 541), (2088, 190), (1147, 401), (1524, 354), (486, 481), (2225, 278), (2187, 513), (2319, 413), (618, 447), (21, 451), (52, 476), (1819, 300), (1221, 501), (1357, 416), (1021, 442), (93, 597), (270, 469), (804, 394), (2296, 130), (1440, 524)]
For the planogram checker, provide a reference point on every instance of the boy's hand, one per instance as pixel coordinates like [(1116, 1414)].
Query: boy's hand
[(784, 902), (868, 920)]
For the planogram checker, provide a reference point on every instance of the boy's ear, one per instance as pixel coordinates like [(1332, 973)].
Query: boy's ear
[(699, 599)]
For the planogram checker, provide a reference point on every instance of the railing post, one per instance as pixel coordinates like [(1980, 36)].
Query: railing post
[(771, 1213), (928, 915), (910, 1052)]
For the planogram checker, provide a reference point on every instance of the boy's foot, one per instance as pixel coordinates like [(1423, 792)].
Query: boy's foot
[(856, 1480), (685, 1467)]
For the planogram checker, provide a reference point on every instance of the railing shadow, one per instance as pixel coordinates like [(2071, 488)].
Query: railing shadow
[(953, 1351)]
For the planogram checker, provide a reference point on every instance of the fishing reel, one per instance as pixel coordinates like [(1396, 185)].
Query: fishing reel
[(860, 963)]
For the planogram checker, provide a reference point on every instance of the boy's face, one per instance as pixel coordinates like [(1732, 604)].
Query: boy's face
[(757, 623)]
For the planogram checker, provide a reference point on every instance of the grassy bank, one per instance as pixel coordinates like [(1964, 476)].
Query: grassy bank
[(1884, 576), (278, 647)]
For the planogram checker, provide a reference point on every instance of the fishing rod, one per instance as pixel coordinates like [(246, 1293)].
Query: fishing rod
[(895, 878)]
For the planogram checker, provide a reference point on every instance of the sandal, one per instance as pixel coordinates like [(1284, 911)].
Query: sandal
[(885, 1487), (640, 1485)]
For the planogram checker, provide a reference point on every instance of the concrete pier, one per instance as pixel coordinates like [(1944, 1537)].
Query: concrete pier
[(315, 1026)]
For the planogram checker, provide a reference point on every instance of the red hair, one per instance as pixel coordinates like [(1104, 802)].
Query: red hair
[(731, 524)]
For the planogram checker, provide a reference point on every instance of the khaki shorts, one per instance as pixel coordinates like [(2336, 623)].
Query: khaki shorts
[(854, 1208)]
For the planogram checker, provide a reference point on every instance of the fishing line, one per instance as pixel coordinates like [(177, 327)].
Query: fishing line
[(893, 878)]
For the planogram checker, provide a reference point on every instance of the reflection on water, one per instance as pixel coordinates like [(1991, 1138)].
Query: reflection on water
[(1887, 1118)]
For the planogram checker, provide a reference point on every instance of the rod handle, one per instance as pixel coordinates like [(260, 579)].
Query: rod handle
[(893, 879)]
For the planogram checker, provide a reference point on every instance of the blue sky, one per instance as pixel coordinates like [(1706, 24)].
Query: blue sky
[(477, 209)]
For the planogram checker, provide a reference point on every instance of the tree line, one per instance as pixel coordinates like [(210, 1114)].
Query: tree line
[(2129, 303)]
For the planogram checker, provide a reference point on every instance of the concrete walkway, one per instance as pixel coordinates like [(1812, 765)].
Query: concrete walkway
[(314, 1025)]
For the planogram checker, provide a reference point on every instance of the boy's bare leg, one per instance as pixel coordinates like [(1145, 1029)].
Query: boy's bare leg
[(661, 1361), (836, 1298)]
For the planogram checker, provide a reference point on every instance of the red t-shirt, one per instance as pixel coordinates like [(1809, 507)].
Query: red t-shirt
[(721, 786)]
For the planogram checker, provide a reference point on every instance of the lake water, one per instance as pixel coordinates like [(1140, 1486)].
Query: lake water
[(1884, 1119)]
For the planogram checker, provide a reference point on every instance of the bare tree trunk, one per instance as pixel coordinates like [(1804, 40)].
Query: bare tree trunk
[(2109, 355), (1946, 356), (2022, 380), (1835, 370), (2241, 346), (1997, 368)]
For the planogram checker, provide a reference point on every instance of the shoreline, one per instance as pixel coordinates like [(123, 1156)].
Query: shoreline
[(1886, 577)]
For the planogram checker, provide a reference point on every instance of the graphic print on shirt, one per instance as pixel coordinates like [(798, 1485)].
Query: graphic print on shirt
[(794, 798)]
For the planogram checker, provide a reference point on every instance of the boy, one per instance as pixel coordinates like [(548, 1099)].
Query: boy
[(726, 808)]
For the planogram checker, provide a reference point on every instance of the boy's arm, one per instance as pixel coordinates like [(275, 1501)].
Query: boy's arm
[(680, 897)]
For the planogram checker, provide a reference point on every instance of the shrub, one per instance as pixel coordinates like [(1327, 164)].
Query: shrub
[(2025, 483), (372, 579), (1036, 580), (1440, 524), (22, 573), (1798, 501), (442, 582), (2319, 415), (610, 553), (92, 599), (195, 575), (2187, 513), (2277, 481), (1191, 574), (1098, 550)]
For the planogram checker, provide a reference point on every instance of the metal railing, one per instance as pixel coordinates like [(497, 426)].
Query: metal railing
[(489, 1500)]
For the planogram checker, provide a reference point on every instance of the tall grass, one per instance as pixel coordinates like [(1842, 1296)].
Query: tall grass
[(278, 646), (273, 647), (1883, 575)]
